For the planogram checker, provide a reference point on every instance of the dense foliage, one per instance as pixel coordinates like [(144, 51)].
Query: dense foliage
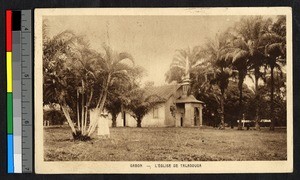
[(254, 48)]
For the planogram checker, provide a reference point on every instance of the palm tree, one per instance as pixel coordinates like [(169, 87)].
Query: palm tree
[(248, 35), (67, 60), (140, 104), (255, 65), (223, 74), (185, 63), (217, 55), (114, 107), (119, 91), (240, 63), (111, 66), (273, 40), (247, 54), (73, 74)]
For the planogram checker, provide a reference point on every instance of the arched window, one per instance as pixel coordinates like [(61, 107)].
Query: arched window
[(155, 112)]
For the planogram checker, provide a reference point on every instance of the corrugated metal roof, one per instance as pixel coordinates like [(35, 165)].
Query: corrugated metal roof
[(188, 99), (165, 91)]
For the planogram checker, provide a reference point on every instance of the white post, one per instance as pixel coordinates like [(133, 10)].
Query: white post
[(200, 116)]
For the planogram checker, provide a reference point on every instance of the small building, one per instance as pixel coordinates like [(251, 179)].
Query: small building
[(177, 108)]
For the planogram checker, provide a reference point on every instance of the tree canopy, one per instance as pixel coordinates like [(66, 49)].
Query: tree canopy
[(254, 47)]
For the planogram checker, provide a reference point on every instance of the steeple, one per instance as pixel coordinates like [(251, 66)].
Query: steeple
[(186, 83)]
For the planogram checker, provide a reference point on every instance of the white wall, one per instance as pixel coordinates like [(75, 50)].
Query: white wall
[(159, 121), (148, 120)]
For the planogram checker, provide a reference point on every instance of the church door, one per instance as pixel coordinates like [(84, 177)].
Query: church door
[(181, 121), (196, 117)]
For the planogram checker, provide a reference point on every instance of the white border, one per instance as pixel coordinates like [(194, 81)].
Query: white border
[(77, 167)]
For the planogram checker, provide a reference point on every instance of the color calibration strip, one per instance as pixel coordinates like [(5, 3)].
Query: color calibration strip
[(10, 143), (19, 91)]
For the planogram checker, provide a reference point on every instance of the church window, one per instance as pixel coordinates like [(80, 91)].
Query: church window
[(155, 112)]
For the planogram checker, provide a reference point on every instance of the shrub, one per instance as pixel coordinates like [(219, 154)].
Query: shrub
[(55, 117)]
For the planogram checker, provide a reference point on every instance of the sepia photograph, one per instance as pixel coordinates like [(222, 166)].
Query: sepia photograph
[(163, 90)]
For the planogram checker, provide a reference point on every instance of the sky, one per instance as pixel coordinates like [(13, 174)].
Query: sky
[(151, 40)]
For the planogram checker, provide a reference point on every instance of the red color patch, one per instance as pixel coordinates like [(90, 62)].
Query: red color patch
[(8, 31)]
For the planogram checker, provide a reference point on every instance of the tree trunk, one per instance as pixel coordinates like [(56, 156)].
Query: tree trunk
[(88, 117), (85, 120), (139, 123), (94, 116), (114, 120), (78, 116), (222, 110), (257, 126), (272, 125), (82, 113), (77, 134), (240, 86), (103, 95), (67, 115), (99, 108)]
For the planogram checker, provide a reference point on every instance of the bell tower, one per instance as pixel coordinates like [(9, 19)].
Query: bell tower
[(186, 82), (192, 108), (186, 86)]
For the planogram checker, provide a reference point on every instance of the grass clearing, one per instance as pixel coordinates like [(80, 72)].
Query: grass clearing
[(167, 144)]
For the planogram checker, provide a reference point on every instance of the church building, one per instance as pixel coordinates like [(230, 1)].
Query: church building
[(178, 108)]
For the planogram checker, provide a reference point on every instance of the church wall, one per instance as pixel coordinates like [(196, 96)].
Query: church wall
[(169, 119), (155, 121), (189, 115), (165, 117), (179, 114), (148, 121), (200, 115), (130, 121)]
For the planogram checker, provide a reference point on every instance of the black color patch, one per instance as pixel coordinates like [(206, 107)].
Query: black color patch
[(16, 20)]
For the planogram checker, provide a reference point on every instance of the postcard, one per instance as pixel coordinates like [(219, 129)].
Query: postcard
[(163, 90)]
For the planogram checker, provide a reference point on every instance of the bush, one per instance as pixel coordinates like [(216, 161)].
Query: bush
[(55, 117)]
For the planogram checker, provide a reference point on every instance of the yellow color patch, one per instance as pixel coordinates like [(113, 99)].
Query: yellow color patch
[(9, 71)]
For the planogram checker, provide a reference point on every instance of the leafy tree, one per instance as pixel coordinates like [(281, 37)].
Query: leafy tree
[(223, 75), (217, 53), (114, 107), (240, 64), (209, 94), (140, 104), (119, 91), (249, 31), (279, 112), (72, 75), (273, 40), (108, 67), (61, 72), (54, 117), (212, 111), (185, 64), (246, 54), (232, 103)]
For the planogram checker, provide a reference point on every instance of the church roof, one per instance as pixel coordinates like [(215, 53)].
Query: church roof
[(188, 99), (164, 92)]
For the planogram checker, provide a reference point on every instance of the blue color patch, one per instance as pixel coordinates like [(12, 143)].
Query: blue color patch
[(10, 153)]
